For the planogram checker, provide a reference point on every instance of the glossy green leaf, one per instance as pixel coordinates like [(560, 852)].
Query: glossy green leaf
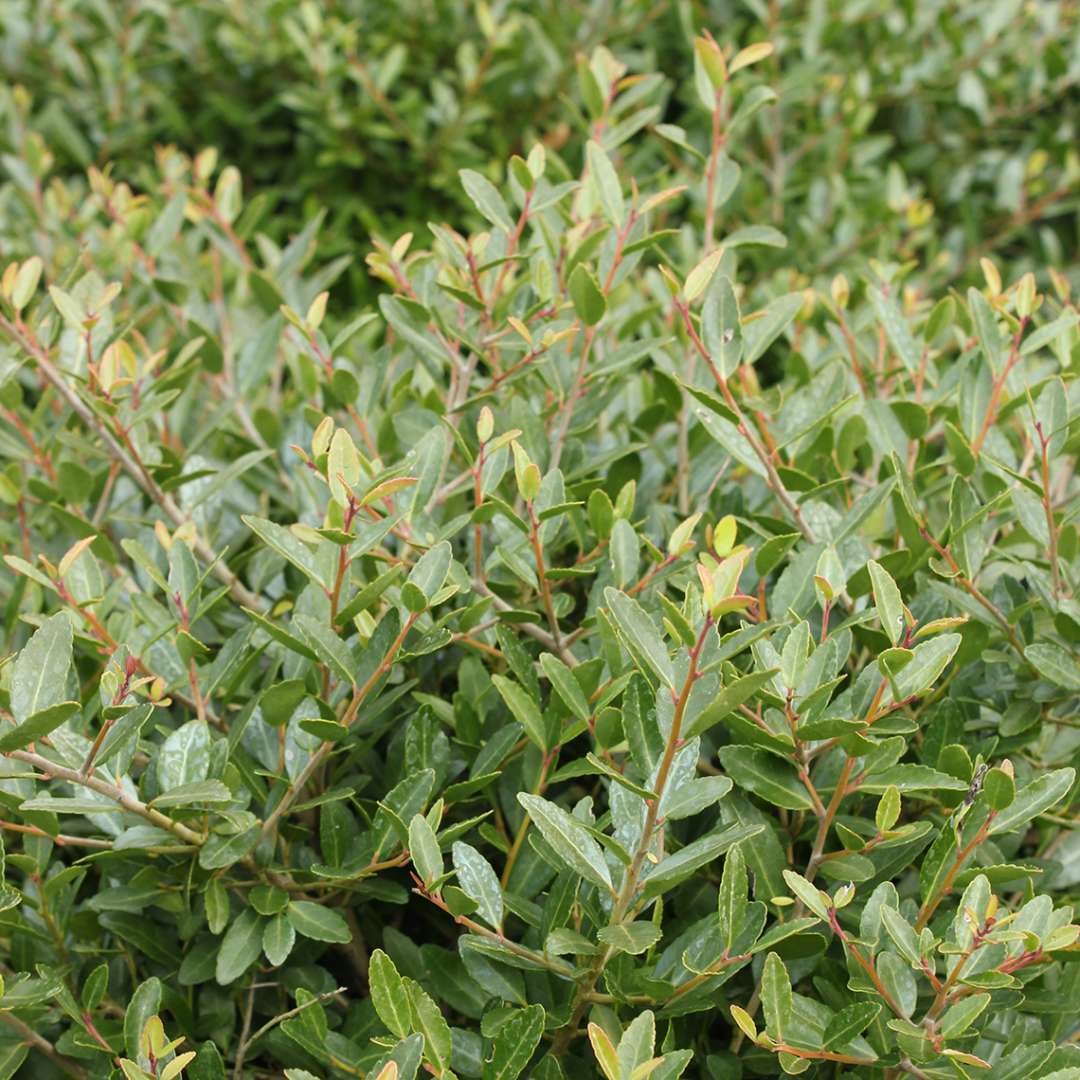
[(389, 994), (39, 676), (479, 881), (240, 947), (424, 850), (776, 996), (318, 922), (641, 636), (569, 838)]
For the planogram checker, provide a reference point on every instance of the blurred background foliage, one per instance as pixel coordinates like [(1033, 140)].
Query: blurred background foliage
[(935, 130)]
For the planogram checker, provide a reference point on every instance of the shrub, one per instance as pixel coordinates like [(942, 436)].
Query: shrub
[(598, 660), (941, 131)]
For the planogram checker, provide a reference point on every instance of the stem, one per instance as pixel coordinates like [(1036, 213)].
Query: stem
[(683, 464), (704, 976), (97, 628), (826, 819), (196, 694), (912, 1069), (625, 897), (1048, 508), (534, 631), (853, 352), (999, 386), (511, 248), (524, 362), (866, 963), (650, 574), (317, 758), (745, 429), (478, 501), (563, 970), (519, 838), (129, 464), (343, 561), (545, 585), (39, 1042), (926, 912), (590, 334), (88, 763), (717, 145), (976, 594), (825, 822), (238, 1066), (821, 1055), (363, 77), (825, 621), (819, 806), (942, 997), (568, 407), (271, 1024), (111, 791), (61, 839)]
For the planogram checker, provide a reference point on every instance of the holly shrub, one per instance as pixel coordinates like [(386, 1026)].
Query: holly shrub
[(641, 642)]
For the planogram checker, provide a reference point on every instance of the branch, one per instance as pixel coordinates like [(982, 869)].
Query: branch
[(133, 468), (271, 1024), (534, 631), (39, 1042), (624, 901), (317, 758), (772, 477), (110, 791)]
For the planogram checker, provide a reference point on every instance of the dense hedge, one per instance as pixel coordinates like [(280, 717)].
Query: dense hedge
[(641, 641)]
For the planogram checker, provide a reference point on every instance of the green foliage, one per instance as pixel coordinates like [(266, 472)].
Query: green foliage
[(641, 643), (937, 131)]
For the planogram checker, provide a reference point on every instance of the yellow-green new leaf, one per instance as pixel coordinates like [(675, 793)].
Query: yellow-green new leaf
[(604, 1050), (776, 997), (890, 605)]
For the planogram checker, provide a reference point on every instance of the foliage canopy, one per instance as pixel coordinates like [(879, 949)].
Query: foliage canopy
[(640, 642)]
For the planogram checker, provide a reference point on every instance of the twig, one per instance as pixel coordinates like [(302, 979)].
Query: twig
[(772, 476), (541, 573), (977, 594), (716, 145), (624, 900), (555, 966), (999, 386), (238, 1067), (822, 1055), (1048, 509), (39, 1042), (110, 791), (519, 838), (866, 963), (590, 334), (317, 758), (926, 912), (567, 412), (61, 839), (271, 1024), (534, 631), (133, 468)]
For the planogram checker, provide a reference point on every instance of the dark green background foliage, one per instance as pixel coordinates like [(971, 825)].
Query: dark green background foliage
[(540, 539), (366, 110)]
